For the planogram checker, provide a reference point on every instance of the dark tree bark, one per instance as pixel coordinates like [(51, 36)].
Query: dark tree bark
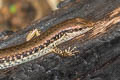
[(99, 49)]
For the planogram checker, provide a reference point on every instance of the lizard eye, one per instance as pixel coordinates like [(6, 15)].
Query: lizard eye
[(80, 28)]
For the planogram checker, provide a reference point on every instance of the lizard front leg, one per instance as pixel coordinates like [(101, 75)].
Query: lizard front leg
[(66, 52)]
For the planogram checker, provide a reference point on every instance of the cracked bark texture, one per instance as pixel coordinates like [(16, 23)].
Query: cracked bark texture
[(99, 49)]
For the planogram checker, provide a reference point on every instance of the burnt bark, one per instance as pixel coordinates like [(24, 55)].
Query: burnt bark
[(99, 49)]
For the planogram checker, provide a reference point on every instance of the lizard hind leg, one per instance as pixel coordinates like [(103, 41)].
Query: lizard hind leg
[(64, 53)]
